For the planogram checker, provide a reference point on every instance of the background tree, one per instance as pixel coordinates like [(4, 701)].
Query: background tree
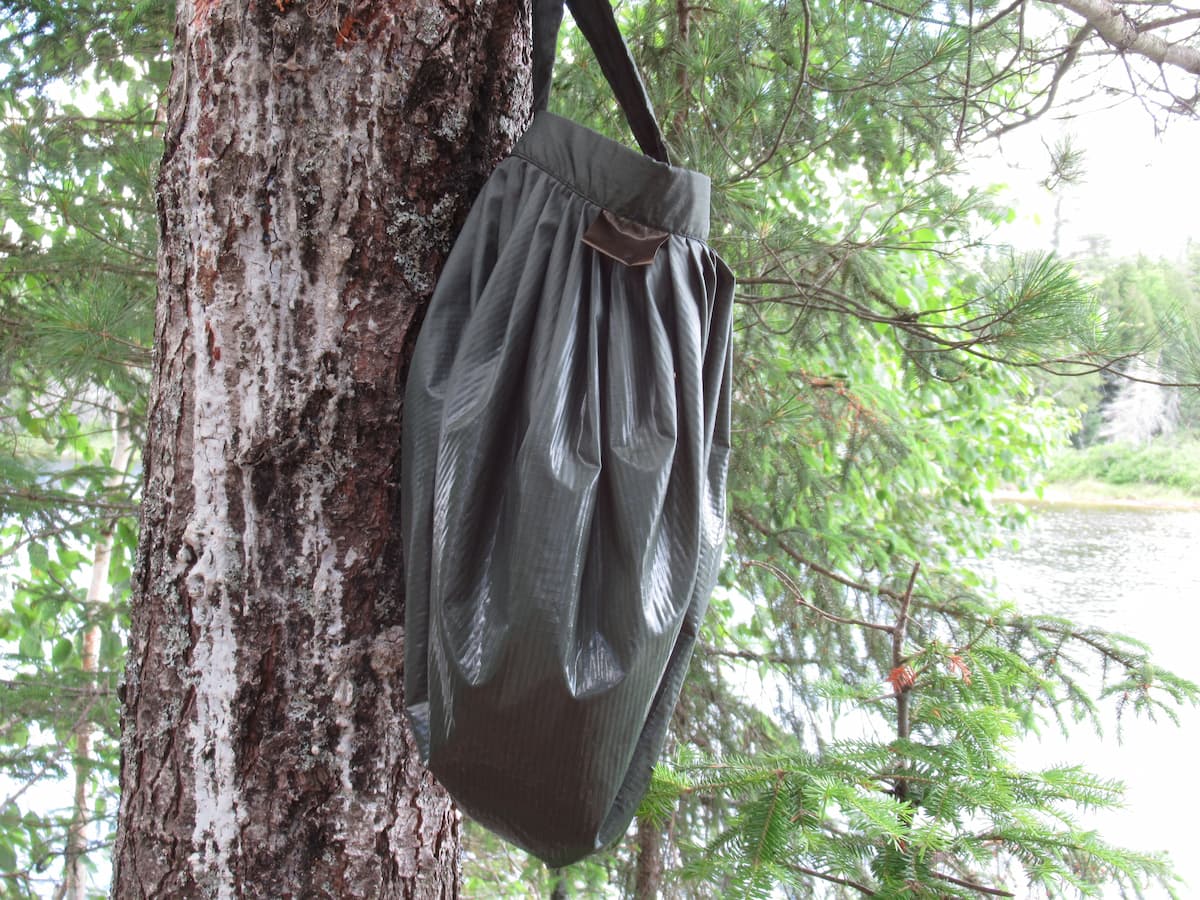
[(1139, 418), (76, 282), (1151, 303)]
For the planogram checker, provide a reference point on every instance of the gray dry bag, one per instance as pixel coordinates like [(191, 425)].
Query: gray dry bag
[(566, 438)]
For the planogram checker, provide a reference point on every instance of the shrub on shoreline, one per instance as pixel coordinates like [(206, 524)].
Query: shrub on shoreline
[(1172, 462)]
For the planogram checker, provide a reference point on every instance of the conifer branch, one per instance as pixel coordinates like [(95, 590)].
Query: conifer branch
[(91, 690), (1126, 35), (794, 590), (973, 886), (834, 879), (801, 80), (962, 116), (777, 659), (1068, 60), (61, 498), (795, 555)]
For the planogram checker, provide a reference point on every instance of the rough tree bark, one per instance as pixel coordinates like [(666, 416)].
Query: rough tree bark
[(319, 158), (648, 878)]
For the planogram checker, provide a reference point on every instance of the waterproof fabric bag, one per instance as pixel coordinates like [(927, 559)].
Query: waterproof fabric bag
[(566, 436)]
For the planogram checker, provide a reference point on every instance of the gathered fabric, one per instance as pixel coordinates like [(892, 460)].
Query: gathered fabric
[(565, 449)]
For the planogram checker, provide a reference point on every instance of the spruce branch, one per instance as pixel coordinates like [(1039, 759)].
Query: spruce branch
[(796, 595), (899, 632), (972, 885), (833, 879)]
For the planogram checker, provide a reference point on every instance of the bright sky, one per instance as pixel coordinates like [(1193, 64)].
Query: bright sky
[(1140, 189)]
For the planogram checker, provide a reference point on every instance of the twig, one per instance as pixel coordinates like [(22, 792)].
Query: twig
[(900, 629), (1060, 71), (791, 110), (982, 888), (778, 659), (794, 590), (835, 879), (962, 117), (816, 567)]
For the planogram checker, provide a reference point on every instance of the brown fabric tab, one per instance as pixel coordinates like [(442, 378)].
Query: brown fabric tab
[(628, 242)]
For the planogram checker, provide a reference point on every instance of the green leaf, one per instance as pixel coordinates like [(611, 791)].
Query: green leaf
[(39, 558), (10, 816), (8, 856), (63, 649), (30, 646)]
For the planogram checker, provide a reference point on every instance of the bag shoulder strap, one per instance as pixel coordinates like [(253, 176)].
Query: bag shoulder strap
[(596, 20)]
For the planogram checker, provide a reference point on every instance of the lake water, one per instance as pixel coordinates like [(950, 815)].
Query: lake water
[(1136, 572)]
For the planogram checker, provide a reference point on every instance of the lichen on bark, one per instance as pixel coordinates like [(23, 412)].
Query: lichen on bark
[(312, 183)]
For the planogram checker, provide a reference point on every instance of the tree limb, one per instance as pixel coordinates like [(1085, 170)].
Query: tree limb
[(1123, 33)]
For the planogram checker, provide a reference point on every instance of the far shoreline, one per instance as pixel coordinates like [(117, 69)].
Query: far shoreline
[(1097, 495)]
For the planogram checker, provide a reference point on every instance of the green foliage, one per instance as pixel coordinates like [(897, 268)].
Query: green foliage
[(936, 796), (79, 93), (494, 869), (883, 388), (1154, 304), (61, 647), (1172, 462), (835, 818), (1152, 313), (926, 812)]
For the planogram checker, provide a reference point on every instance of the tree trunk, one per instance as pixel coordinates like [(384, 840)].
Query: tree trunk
[(319, 159), (649, 876), (99, 595)]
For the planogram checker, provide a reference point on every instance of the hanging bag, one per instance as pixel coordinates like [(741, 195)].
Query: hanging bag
[(566, 437)]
